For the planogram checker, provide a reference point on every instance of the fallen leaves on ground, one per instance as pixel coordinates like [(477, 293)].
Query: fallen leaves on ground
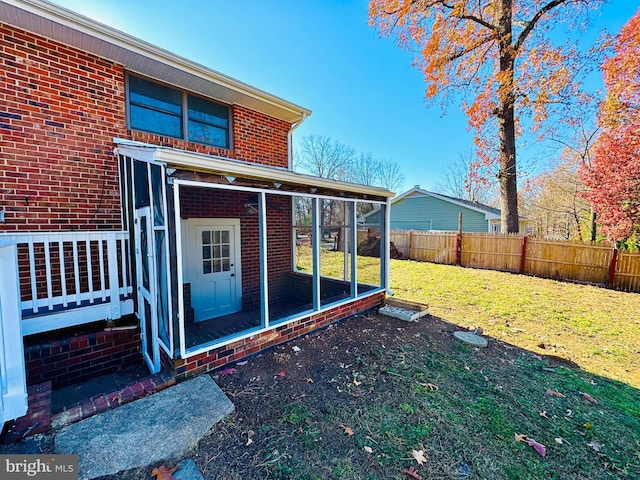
[(554, 393), (368, 449), (588, 397), (227, 371), (419, 457), (597, 446), (281, 374), (163, 472), (412, 473), (346, 429), (538, 447), (430, 386)]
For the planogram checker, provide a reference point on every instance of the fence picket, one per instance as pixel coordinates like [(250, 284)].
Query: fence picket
[(563, 260)]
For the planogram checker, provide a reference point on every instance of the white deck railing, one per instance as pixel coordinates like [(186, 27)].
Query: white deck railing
[(61, 272)]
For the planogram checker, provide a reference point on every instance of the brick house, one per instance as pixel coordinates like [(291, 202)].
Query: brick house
[(148, 207)]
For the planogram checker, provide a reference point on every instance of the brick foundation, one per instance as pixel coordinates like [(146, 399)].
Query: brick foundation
[(81, 357), (215, 358)]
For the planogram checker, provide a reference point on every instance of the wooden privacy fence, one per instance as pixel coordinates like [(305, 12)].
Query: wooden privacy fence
[(562, 260)]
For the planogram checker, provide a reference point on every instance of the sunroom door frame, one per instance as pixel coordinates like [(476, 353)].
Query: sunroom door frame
[(147, 294), (131, 214)]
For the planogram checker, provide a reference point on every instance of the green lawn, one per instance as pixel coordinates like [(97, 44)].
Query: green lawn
[(595, 328)]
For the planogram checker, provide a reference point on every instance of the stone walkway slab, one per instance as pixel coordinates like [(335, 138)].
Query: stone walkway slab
[(160, 427)]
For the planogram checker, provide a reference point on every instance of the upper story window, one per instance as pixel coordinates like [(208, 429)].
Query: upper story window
[(165, 110)]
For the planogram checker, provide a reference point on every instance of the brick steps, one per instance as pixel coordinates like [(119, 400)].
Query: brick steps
[(39, 417)]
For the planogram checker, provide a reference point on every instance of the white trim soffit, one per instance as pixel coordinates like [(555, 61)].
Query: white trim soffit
[(227, 166)]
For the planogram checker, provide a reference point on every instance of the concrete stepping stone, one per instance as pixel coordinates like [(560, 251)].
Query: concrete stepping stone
[(160, 427)]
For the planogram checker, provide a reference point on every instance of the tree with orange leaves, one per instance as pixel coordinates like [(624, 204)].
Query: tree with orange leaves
[(614, 177), (500, 54)]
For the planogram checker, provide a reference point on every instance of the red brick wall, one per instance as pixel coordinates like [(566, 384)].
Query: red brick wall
[(60, 109), (82, 357), (212, 203), (215, 358)]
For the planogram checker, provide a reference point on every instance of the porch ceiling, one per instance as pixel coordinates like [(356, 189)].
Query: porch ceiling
[(183, 159), (70, 28)]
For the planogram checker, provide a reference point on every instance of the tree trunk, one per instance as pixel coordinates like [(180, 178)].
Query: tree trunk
[(593, 225), (506, 125)]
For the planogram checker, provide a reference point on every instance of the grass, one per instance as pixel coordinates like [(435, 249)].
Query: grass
[(596, 328)]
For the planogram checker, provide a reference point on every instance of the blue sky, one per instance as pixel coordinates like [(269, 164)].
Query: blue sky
[(362, 90)]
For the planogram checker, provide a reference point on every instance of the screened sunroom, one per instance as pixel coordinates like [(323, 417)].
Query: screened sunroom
[(224, 250)]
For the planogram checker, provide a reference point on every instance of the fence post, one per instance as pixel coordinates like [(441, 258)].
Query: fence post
[(409, 245), (524, 254), (458, 249), (459, 241), (612, 267)]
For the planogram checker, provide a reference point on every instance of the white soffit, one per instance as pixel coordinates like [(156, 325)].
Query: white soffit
[(226, 166), (65, 26)]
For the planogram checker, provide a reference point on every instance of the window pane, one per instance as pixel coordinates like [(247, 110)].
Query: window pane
[(155, 96), (226, 266), (155, 122), (206, 253), (208, 122), (206, 267), (216, 236), (206, 237), (224, 237), (216, 266), (216, 252), (158, 200), (155, 108), (203, 111), (225, 251), (207, 134)]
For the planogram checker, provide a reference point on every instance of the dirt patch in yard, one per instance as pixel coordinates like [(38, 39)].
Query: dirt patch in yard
[(363, 398)]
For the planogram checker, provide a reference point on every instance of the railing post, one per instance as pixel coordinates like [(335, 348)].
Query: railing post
[(114, 284), (523, 258), (612, 267)]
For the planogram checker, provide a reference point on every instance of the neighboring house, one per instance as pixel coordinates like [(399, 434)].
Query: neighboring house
[(418, 209), (134, 181)]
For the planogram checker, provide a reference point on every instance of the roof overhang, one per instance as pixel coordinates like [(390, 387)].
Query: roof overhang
[(186, 160), (68, 27)]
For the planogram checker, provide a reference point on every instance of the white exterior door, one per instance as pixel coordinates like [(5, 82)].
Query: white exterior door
[(13, 385), (147, 288), (214, 267)]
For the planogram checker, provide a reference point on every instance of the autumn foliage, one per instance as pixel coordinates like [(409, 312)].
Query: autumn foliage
[(499, 56), (614, 178)]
